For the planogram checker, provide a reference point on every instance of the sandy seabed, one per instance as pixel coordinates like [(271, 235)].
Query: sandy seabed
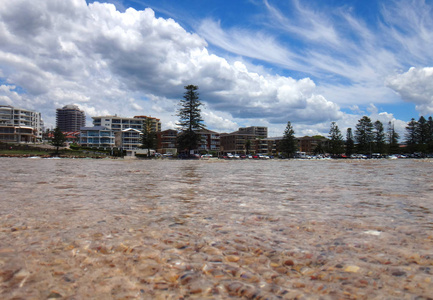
[(102, 229)]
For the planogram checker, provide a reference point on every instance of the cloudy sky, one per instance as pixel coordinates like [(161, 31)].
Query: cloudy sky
[(257, 63)]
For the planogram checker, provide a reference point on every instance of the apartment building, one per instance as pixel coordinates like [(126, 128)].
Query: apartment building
[(210, 140), (121, 123), (115, 131), (235, 142), (128, 139), (154, 122), (97, 136), (258, 131), (116, 123), (167, 141), (20, 125), (70, 118), (308, 144), (266, 146)]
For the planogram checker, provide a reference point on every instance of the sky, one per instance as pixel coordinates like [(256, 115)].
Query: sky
[(256, 63)]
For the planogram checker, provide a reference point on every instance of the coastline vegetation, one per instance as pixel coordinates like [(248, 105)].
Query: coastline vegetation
[(45, 151)]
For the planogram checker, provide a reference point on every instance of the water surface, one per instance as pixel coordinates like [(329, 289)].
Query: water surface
[(166, 229)]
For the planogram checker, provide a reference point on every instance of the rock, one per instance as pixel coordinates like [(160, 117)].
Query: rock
[(351, 269), (54, 295), (398, 273), (289, 262), (232, 258)]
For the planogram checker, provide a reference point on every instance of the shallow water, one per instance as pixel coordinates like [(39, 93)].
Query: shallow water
[(279, 229)]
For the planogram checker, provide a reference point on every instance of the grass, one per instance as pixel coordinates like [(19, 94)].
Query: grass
[(34, 150)]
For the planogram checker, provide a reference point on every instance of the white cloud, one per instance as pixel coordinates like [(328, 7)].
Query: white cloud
[(8, 96), (415, 86), (350, 57), (219, 123), (131, 63)]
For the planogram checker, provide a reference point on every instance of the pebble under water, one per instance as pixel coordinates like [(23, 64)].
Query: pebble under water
[(216, 229)]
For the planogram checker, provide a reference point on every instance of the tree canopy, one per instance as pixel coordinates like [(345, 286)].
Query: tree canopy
[(148, 136), (379, 137), (392, 137), (288, 144), (336, 143), (190, 119), (58, 139), (364, 135), (350, 144)]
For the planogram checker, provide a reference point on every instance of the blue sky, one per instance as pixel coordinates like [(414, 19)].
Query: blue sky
[(255, 62)]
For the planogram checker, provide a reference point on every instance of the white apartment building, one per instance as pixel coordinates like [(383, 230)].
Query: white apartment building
[(114, 131), (97, 136), (20, 125), (121, 123), (128, 139)]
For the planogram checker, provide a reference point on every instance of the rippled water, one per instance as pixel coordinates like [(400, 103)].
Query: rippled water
[(169, 229)]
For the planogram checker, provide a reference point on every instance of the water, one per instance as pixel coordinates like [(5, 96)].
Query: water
[(104, 229)]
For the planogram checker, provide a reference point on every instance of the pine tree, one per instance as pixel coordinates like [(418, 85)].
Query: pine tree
[(350, 144), (58, 139), (190, 119), (422, 132), (288, 144), (393, 137), (379, 137), (364, 135), (430, 135), (148, 136), (411, 135), (336, 143)]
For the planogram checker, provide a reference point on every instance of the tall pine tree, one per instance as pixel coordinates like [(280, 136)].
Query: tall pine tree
[(430, 135), (422, 132), (288, 144), (148, 136), (364, 135), (336, 143), (350, 144), (190, 119), (411, 135), (379, 137), (393, 136)]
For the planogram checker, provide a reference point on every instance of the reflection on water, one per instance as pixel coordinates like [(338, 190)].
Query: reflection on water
[(215, 229)]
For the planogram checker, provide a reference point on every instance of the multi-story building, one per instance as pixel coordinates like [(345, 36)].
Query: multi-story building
[(236, 142), (123, 132), (266, 145), (154, 122), (258, 131), (167, 141), (70, 118), (20, 125), (116, 123), (120, 123), (210, 140), (97, 136), (128, 139), (308, 144)]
